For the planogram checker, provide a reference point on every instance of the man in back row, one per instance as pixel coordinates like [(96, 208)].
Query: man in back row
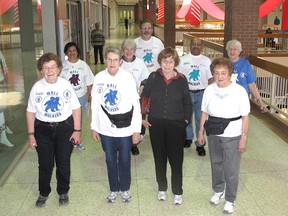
[(98, 42), (148, 48), (196, 68)]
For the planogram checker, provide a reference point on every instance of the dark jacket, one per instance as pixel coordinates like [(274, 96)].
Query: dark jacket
[(168, 101)]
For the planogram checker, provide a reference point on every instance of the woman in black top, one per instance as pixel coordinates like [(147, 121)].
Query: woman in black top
[(169, 112)]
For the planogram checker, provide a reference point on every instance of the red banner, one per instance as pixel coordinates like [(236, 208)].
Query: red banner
[(6, 5), (285, 15)]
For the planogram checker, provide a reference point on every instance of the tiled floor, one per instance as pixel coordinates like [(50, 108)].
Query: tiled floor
[(263, 186)]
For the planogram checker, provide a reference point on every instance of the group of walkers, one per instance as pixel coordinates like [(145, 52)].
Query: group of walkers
[(144, 86)]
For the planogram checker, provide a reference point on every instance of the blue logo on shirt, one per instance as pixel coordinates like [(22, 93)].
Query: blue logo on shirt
[(52, 104), (111, 98), (148, 57), (194, 75)]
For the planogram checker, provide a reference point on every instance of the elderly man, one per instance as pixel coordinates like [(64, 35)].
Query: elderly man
[(196, 68), (148, 46), (98, 42)]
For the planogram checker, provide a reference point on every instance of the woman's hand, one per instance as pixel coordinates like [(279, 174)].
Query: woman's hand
[(32, 141), (201, 139), (146, 124), (76, 137), (95, 135), (136, 138), (242, 143)]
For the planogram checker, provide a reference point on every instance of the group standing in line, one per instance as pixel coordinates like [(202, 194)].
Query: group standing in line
[(173, 88)]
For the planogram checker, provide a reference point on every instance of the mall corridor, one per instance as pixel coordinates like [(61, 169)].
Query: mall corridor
[(263, 185)]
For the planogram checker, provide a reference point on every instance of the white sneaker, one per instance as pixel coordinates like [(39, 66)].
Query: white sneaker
[(177, 200), (161, 195), (126, 196), (79, 146), (141, 138), (217, 198), (229, 207), (112, 196), (8, 130)]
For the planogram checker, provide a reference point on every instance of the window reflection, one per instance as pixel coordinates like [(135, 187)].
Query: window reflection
[(17, 73)]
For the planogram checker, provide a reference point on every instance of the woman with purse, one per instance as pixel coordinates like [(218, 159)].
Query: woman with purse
[(116, 121), (225, 100), (169, 113)]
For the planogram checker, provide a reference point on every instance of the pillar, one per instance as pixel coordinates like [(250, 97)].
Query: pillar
[(169, 23), (28, 55), (152, 10), (144, 9), (241, 23)]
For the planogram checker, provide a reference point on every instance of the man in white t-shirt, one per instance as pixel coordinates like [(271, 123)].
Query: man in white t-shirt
[(148, 46), (196, 68)]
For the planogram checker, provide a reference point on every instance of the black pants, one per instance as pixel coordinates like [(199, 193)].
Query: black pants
[(167, 138), (53, 146), (98, 48)]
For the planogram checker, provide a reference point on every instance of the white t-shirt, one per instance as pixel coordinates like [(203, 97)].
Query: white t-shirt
[(148, 51), (52, 102), (117, 94), (196, 69), (137, 68), (79, 75), (229, 102)]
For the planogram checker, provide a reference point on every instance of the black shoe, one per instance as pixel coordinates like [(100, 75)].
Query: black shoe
[(201, 151), (187, 144), (135, 150), (41, 201), (63, 199)]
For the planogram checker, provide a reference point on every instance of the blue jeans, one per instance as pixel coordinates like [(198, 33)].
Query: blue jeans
[(82, 101), (118, 161), (54, 146), (196, 99)]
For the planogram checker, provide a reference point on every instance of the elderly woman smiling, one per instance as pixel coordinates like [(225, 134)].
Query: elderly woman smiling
[(169, 114), (225, 101)]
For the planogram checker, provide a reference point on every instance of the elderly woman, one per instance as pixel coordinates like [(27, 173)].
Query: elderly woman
[(224, 101), (138, 69), (243, 73), (116, 121), (53, 122), (169, 114), (80, 76)]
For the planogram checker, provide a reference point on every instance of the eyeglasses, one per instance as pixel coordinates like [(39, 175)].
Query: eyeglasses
[(146, 28), (167, 62), (46, 69), (110, 61)]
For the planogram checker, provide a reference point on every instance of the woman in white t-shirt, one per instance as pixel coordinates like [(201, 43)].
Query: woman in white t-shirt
[(138, 69), (53, 122), (225, 99), (80, 76)]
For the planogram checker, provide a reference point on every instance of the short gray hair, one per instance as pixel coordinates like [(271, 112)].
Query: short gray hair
[(114, 50), (128, 42), (234, 43)]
